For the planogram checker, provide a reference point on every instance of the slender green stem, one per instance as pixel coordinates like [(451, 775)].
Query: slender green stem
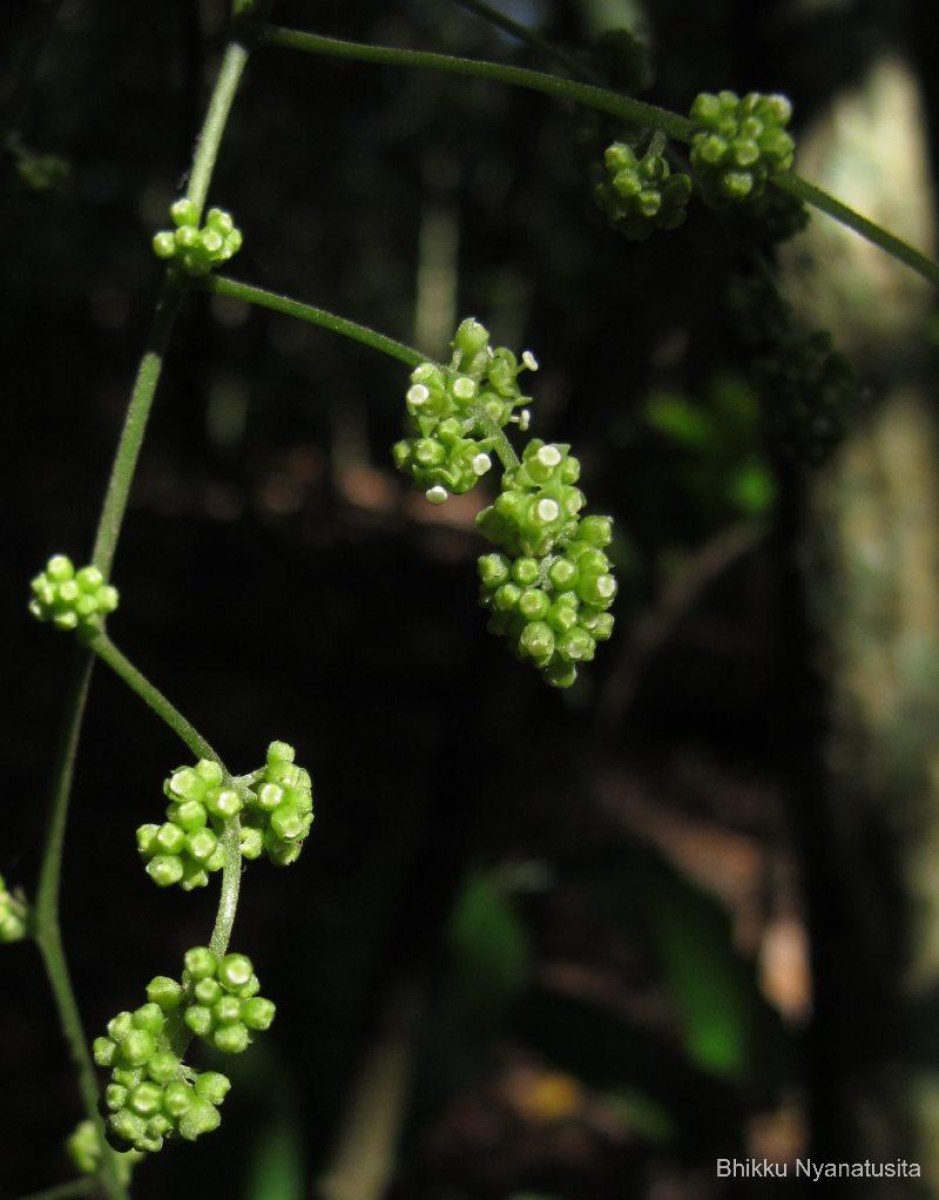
[(151, 695), (220, 285), (46, 926), (216, 118), (64, 1191), (504, 449), (135, 679), (808, 192), (231, 886), (634, 112), (135, 426), (529, 36)]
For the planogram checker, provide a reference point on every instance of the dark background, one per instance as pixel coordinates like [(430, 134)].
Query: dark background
[(560, 907)]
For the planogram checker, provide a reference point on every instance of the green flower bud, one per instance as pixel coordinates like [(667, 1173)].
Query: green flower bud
[(201, 1117), (200, 963)]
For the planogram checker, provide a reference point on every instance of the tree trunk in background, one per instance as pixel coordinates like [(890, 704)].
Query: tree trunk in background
[(870, 565)]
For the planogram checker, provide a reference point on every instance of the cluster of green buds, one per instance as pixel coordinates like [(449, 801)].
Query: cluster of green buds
[(275, 804), (194, 250), (13, 915), (71, 599), (151, 1094), (549, 591), (741, 143), (219, 998), (550, 586), (640, 195), (278, 809), (84, 1149), (187, 847), (455, 411)]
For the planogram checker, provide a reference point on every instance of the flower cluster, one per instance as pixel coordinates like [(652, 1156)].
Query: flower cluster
[(549, 589), (71, 599), (12, 915), (741, 143), (151, 1094), (195, 250), (187, 847), (640, 195), (454, 411), (276, 804), (219, 997), (279, 808)]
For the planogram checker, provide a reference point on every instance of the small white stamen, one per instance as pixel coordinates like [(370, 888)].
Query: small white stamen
[(547, 511), (606, 586), (481, 464), (549, 456), (437, 494), (524, 420), (418, 395), (464, 388), (530, 361)]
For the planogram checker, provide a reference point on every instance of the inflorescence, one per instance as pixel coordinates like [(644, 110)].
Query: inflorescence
[(740, 145), (640, 195), (276, 804), (152, 1095), (456, 411), (194, 250), (550, 586), (71, 599)]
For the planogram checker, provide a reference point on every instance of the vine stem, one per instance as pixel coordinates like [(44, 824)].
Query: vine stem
[(216, 118), (221, 285), (633, 112), (795, 185), (46, 922), (102, 646)]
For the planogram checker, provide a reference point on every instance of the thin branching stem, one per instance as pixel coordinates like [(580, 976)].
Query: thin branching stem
[(221, 285), (632, 112), (46, 925)]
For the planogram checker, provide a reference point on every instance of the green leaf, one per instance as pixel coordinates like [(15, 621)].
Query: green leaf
[(276, 1170), (490, 951), (684, 422)]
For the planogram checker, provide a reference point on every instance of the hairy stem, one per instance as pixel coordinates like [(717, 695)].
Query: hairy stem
[(795, 185), (216, 118), (46, 924), (151, 695), (504, 449), (135, 426), (633, 112), (222, 286), (529, 36)]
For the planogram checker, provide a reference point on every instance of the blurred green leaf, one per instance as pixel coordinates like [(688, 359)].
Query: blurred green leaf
[(679, 419), (276, 1170), (490, 952), (711, 987), (752, 489)]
